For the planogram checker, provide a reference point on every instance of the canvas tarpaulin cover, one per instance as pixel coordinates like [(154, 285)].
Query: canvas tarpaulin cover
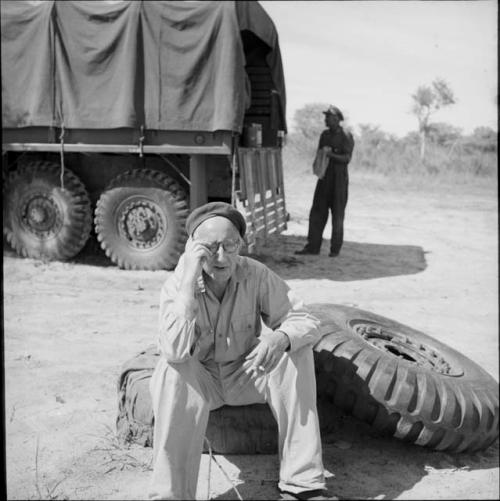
[(252, 17), (165, 65)]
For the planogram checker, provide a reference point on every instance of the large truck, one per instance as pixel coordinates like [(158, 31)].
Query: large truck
[(119, 117)]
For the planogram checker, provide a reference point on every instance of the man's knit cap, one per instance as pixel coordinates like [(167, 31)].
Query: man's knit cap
[(213, 209)]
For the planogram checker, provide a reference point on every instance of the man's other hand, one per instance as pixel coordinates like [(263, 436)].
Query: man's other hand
[(266, 355), (263, 358)]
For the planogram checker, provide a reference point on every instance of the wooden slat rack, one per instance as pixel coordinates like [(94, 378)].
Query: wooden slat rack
[(261, 195)]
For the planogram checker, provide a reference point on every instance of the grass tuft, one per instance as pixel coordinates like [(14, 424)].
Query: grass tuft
[(118, 456), (46, 490)]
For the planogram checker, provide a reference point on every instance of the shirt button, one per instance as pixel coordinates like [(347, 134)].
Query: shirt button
[(219, 335)]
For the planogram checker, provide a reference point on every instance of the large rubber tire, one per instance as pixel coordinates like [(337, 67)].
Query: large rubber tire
[(140, 220), (403, 382), (42, 220)]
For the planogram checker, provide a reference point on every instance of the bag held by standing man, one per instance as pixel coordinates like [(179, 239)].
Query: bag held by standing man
[(321, 162)]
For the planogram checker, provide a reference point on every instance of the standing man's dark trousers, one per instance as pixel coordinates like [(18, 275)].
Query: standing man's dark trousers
[(330, 195)]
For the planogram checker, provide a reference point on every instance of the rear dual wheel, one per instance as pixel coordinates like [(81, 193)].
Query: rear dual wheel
[(45, 216), (140, 219)]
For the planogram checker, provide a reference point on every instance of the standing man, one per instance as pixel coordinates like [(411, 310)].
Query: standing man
[(331, 189), (214, 351)]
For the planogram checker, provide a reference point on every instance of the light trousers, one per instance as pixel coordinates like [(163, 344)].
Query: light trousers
[(183, 395)]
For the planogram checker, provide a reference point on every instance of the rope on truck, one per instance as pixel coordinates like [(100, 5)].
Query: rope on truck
[(61, 139), (234, 167)]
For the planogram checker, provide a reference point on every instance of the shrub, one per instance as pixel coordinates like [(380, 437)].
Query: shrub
[(450, 155)]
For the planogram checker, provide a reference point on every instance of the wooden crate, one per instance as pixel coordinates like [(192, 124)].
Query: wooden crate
[(261, 196)]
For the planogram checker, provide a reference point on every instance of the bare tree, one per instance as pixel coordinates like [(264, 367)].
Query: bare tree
[(426, 101)]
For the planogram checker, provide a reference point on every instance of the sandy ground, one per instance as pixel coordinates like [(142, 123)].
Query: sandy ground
[(425, 257)]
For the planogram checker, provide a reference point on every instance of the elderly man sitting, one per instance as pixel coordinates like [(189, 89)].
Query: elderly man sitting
[(214, 352)]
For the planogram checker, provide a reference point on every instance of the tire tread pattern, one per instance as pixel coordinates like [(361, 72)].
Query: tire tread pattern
[(453, 414)]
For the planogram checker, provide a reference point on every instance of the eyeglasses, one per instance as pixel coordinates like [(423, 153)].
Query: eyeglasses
[(228, 245)]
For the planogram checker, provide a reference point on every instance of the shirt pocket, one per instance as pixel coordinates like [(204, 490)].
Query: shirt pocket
[(243, 334), (204, 334)]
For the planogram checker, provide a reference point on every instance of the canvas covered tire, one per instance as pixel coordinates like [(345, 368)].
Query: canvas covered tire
[(140, 220), (403, 382), (249, 429), (43, 219)]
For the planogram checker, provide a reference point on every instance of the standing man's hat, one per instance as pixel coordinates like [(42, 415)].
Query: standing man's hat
[(333, 110)]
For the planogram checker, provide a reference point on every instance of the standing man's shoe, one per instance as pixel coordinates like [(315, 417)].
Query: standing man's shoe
[(333, 254), (306, 251)]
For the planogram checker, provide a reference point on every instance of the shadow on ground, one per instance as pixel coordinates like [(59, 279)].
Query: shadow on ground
[(91, 254), (357, 261), (363, 465)]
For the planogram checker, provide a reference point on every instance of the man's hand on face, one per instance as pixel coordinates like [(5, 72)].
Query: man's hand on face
[(264, 357), (195, 254)]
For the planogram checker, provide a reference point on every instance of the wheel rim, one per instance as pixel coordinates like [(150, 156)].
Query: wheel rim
[(41, 215), (404, 348), (141, 223)]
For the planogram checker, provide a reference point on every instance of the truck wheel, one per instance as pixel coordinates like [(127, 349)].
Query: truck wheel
[(140, 219), (403, 382), (41, 219)]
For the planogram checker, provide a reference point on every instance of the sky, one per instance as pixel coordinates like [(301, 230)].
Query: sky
[(369, 57)]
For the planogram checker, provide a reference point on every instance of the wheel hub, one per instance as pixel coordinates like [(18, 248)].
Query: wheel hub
[(142, 224), (41, 215), (404, 348)]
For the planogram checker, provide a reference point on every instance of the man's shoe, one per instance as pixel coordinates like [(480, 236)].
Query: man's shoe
[(317, 494), (306, 251), (333, 254)]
